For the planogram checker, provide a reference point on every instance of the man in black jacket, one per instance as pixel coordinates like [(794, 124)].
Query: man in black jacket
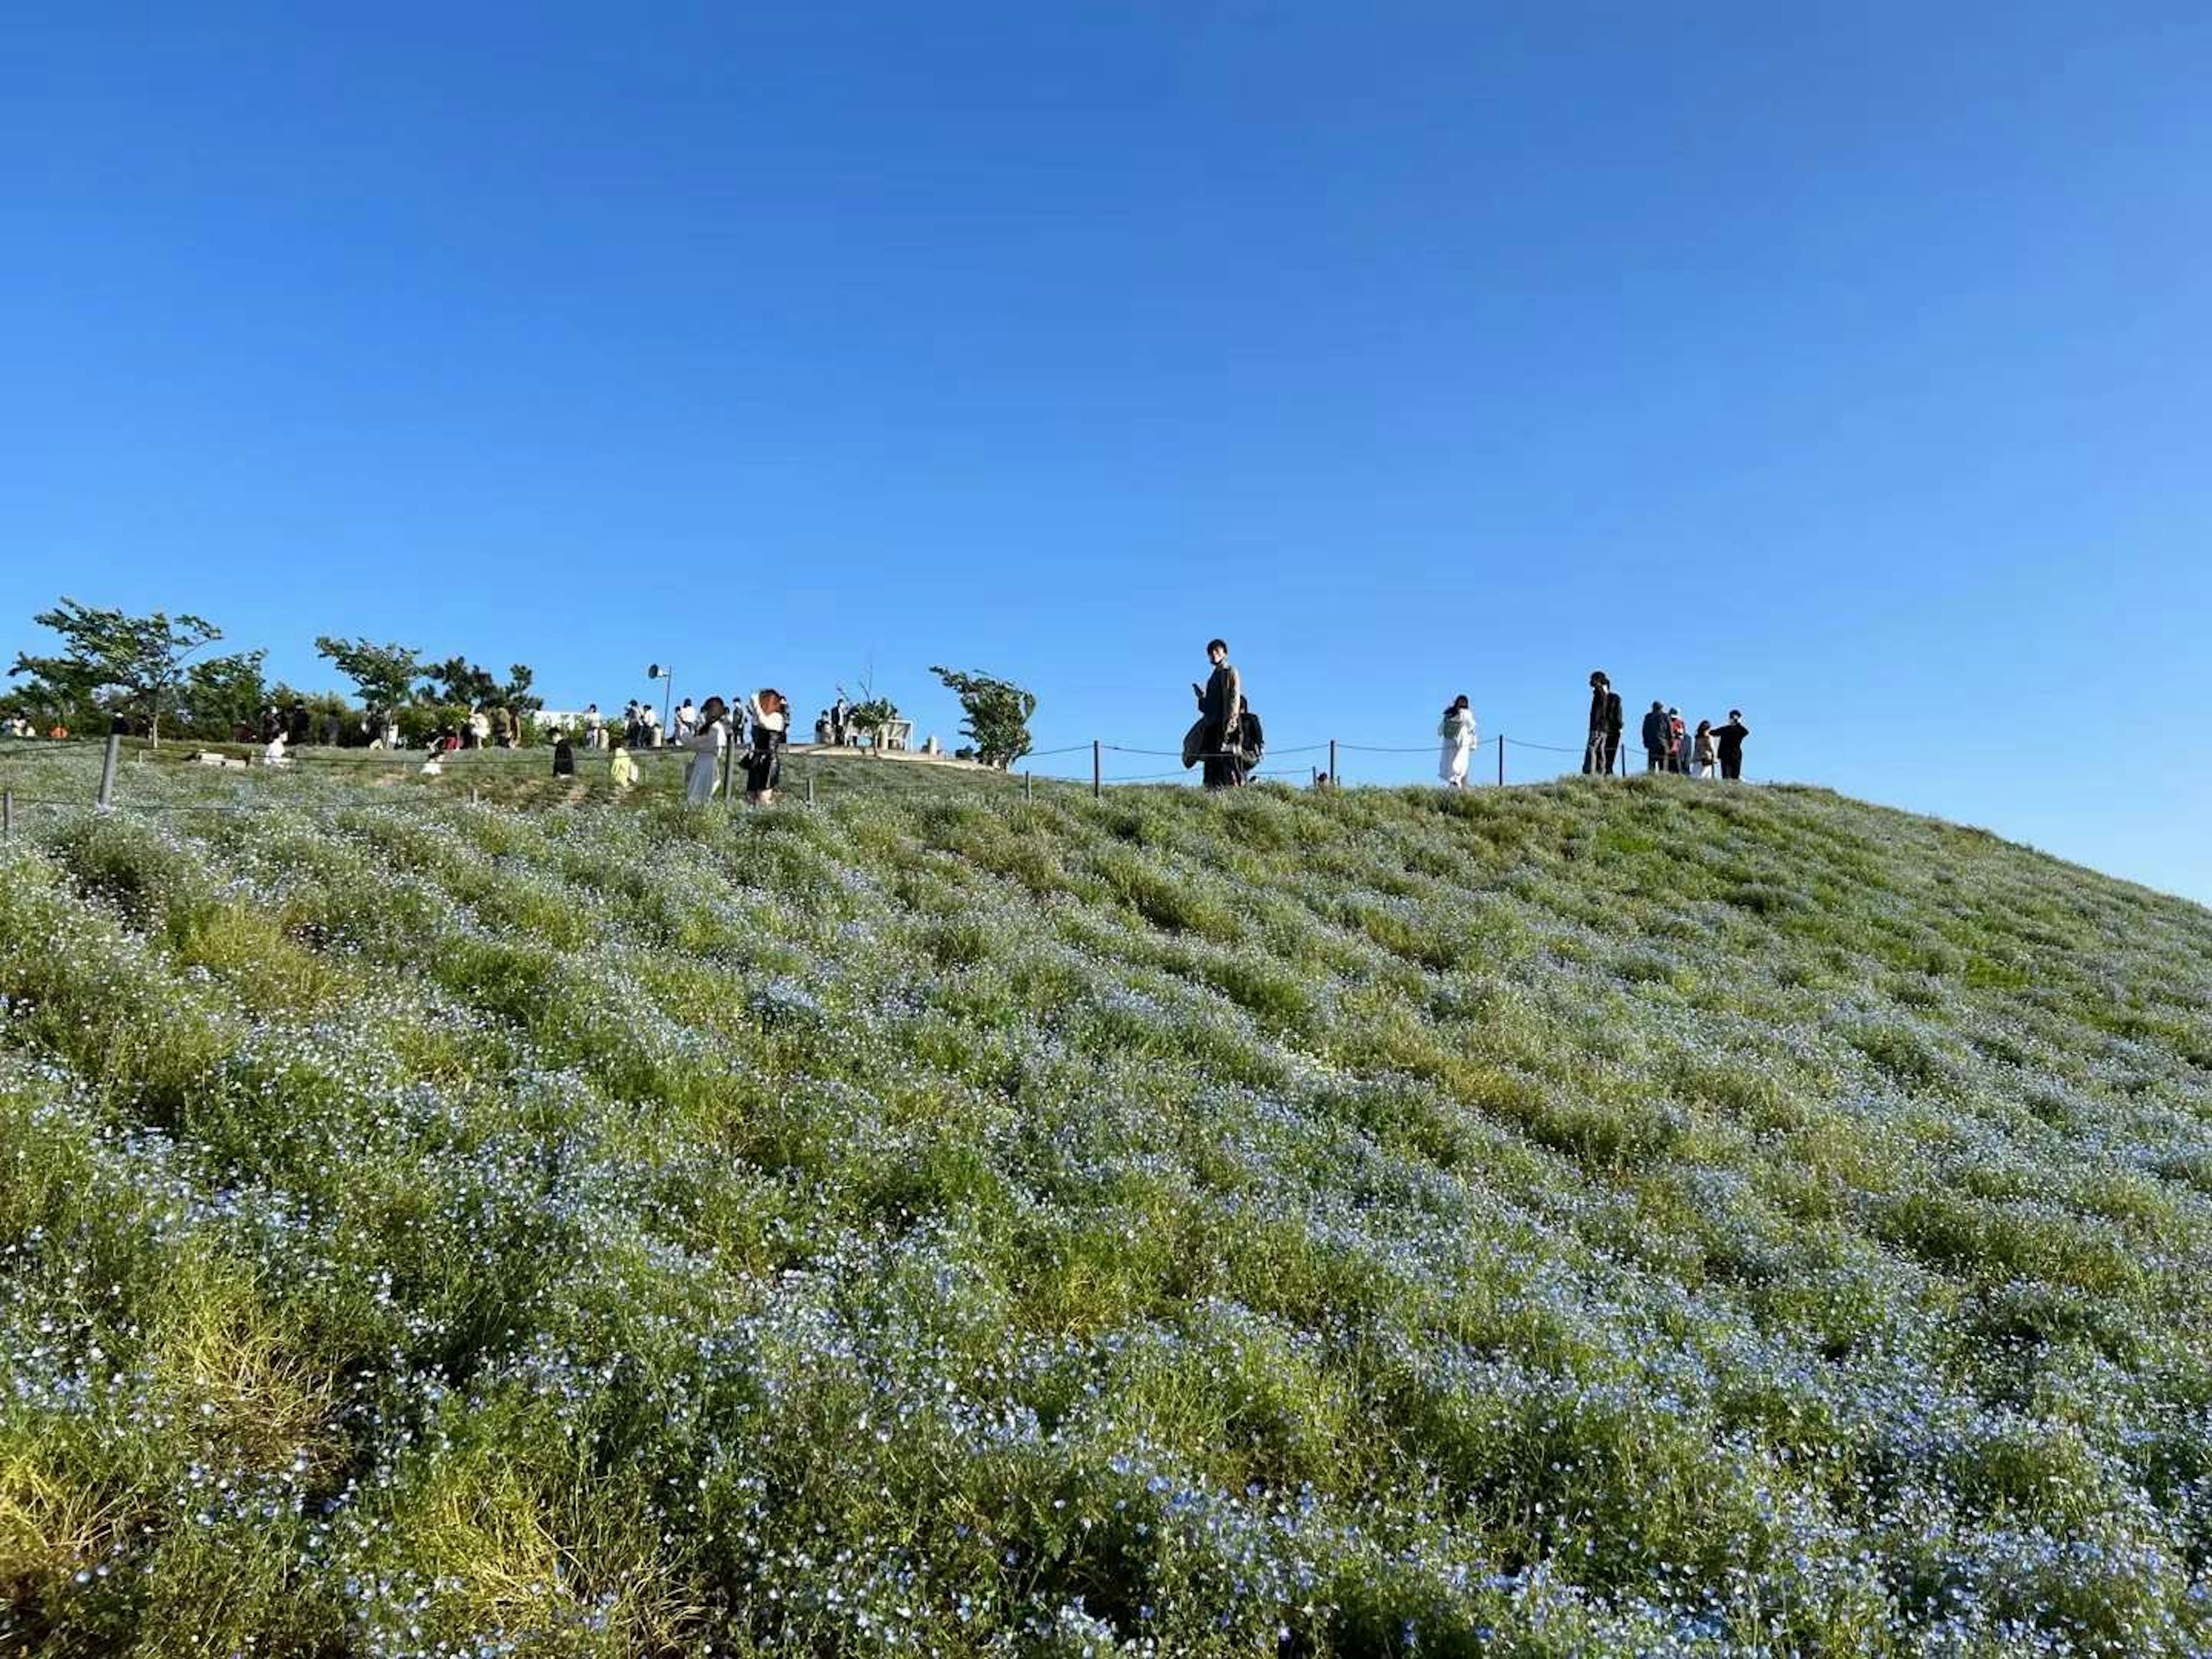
[(1728, 741), (1658, 739), (1605, 723)]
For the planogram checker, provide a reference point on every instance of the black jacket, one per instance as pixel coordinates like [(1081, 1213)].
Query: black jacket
[(1605, 710), (1658, 731), (1728, 739)]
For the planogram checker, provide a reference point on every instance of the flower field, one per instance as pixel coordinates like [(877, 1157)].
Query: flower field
[(1611, 1217)]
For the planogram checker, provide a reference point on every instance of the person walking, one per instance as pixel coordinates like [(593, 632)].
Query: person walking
[(1728, 742), (686, 722), (1456, 730), (771, 717), (1701, 749), (1605, 724), (595, 727), (708, 738), (1220, 711), (1656, 737)]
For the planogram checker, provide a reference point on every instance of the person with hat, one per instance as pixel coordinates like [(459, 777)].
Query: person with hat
[(1605, 723), (1728, 742)]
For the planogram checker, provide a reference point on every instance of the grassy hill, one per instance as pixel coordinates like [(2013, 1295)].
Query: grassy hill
[(1615, 1216)]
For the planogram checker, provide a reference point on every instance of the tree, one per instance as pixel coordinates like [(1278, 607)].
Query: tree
[(998, 714), (222, 694), (457, 680), (118, 663), (516, 693), (384, 674)]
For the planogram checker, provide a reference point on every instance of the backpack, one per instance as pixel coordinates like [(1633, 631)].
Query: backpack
[(1251, 739)]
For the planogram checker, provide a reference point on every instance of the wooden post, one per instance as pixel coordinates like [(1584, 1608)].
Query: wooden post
[(1501, 760), (1097, 771), (108, 771)]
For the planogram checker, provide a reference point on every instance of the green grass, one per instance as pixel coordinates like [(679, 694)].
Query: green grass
[(1602, 1217)]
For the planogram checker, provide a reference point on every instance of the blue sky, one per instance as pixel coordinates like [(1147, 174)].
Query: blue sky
[(1847, 365)]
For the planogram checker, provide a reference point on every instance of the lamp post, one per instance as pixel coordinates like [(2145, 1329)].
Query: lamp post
[(661, 671)]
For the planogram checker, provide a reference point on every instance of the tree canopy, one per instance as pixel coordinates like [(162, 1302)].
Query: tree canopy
[(385, 674), (115, 663), (998, 714)]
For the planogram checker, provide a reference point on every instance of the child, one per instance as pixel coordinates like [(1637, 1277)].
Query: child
[(622, 769)]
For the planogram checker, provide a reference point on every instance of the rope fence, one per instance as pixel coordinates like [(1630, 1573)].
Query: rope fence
[(394, 767)]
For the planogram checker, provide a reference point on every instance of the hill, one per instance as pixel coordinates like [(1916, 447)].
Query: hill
[(1611, 1217)]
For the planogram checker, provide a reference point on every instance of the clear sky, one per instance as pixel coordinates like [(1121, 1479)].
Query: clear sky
[(1848, 364)]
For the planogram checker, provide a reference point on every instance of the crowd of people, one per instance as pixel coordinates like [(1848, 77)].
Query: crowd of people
[(712, 732), (1669, 743), (1227, 738)]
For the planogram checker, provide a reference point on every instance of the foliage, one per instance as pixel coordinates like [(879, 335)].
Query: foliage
[(115, 663), (872, 716), (223, 694), (385, 674), (1593, 1219), (998, 714)]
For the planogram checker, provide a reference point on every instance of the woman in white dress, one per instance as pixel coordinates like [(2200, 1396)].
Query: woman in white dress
[(706, 743), (1456, 730)]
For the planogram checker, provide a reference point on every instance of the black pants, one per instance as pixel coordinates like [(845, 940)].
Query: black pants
[(1225, 768), (1657, 760), (1731, 765)]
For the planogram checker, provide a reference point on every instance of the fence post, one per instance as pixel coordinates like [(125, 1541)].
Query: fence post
[(7, 812), (1097, 771), (810, 783), (1501, 760), (108, 771), (1332, 763), (1029, 790)]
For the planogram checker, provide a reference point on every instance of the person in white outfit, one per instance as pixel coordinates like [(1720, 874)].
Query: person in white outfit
[(706, 743), (1456, 730)]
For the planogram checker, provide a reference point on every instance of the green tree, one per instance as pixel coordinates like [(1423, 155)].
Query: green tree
[(457, 680), (385, 674), (115, 663), (224, 693), (516, 693), (998, 714)]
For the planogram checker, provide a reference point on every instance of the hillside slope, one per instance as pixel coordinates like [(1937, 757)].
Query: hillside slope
[(1595, 1217)]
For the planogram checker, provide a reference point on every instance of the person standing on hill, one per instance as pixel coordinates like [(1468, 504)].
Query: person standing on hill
[(1457, 732), (1605, 724), (1701, 749), (1728, 741), (771, 719), (595, 727), (686, 721), (564, 756), (708, 740), (1677, 750), (1655, 738), (622, 768), (1220, 707)]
